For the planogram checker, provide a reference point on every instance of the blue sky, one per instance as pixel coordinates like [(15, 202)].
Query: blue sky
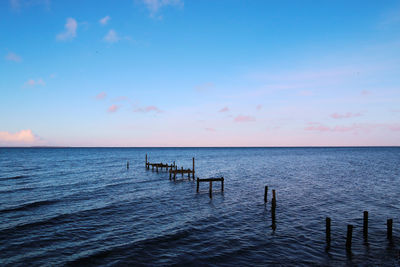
[(199, 73)]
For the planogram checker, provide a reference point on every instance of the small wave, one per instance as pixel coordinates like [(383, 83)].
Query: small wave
[(28, 206), (125, 250), (58, 219), (16, 190), (14, 177)]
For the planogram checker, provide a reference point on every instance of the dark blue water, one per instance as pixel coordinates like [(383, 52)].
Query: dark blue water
[(81, 206)]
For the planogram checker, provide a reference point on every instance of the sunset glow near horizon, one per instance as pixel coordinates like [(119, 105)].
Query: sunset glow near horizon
[(199, 73)]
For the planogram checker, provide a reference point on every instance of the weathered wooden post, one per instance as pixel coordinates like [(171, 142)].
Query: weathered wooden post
[(273, 206), (182, 171), (266, 194), (222, 184), (273, 199), (389, 228), (273, 218), (328, 230), (193, 168), (210, 189), (127, 165), (170, 172), (198, 184), (146, 159), (365, 225), (349, 236)]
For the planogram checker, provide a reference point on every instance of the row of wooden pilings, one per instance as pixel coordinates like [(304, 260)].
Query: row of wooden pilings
[(349, 235)]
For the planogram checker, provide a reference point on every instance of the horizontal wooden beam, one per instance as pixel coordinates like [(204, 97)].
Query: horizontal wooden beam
[(210, 179), (181, 171)]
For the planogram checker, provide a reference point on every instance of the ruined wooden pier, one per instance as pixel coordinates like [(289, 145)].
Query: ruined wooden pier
[(182, 171), (159, 165), (211, 180)]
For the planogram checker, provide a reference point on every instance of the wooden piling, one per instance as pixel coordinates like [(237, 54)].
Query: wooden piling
[(222, 184), (273, 218), (273, 199), (210, 189), (182, 170), (146, 159), (127, 165), (365, 225), (193, 168), (198, 184), (389, 224), (266, 194), (349, 236), (328, 230)]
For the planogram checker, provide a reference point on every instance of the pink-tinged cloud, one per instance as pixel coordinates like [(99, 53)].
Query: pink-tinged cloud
[(32, 82), (113, 108), (13, 57), (101, 95), (210, 129), (365, 92), (21, 137), (259, 107), (225, 109), (148, 109), (242, 118), (352, 128), (345, 115)]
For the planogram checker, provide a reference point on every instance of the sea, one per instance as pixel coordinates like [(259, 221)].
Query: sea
[(84, 207)]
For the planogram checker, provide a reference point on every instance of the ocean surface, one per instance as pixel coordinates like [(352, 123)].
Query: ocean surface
[(82, 206)]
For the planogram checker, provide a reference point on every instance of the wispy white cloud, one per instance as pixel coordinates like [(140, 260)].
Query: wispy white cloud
[(104, 20), (154, 6), (19, 4), (111, 37), (71, 27), (32, 82), (13, 57), (148, 109)]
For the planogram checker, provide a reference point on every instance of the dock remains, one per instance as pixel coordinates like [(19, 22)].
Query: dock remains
[(182, 171), (159, 165), (210, 180)]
